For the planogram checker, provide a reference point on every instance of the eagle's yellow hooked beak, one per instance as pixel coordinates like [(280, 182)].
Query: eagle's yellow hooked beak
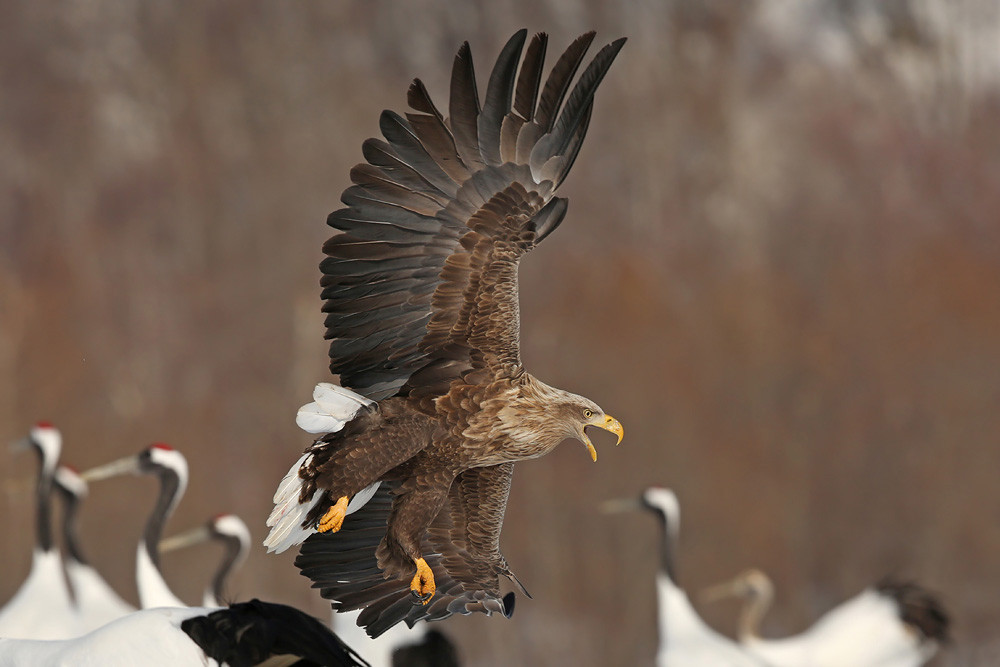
[(608, 423)]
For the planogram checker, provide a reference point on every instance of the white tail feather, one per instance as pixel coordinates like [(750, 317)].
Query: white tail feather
[(288, 513), (339, 402), (291, 483), (311, 419), (331, 409), (362, 497)]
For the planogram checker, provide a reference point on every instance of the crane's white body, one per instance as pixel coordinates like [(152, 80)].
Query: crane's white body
[(42, 607), (152, 638), (153, 589), (96, 603), (254, 632), (891, 624), (164, 461), (686, 640), (865, 631)]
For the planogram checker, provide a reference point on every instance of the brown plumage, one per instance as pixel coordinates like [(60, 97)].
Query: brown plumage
[(421, 294)]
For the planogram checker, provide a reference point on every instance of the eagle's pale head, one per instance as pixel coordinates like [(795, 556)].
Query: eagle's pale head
[(556, 415), (578, 413)]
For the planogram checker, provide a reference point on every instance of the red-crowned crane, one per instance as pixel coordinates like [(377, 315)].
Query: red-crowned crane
[(890, 624), (230, 531), (170, 467), (42, 608), (685, 639), (95, 601), (243, 634)]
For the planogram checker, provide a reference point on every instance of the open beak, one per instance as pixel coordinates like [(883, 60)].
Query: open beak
[(124, 466), (619, 505), (609, 424), (185, 539)]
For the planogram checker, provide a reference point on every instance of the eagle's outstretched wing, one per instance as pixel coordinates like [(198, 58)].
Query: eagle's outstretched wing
[(463, 541), (420, 282), (420, 286)]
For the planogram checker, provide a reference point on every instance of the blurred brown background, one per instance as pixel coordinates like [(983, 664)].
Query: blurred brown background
[(780, 270)]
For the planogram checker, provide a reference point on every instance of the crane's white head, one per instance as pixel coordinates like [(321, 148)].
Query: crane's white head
[(47, 440), (69, 479), (663, 502), (656, 499), (220, 527), (161, 456), (230, 525), (156, 458), (231, 529)]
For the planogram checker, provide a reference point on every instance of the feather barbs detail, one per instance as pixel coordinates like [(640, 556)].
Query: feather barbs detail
[(331, 409)]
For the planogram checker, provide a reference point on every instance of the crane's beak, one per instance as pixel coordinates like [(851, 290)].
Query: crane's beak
[(619, 505), (728, 589), (123, 466), (186, 539), (608, 423), (21, 444)]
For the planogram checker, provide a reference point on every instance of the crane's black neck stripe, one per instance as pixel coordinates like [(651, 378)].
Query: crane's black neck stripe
[(43, 504), (667, 546), (233, 549), (71, 539), (169, 486)]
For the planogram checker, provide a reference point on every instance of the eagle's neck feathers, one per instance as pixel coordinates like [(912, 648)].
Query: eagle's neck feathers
[(522, 419)]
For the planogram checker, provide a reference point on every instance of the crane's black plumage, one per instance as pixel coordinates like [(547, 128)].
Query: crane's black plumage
[(248, 633), (918, 608)]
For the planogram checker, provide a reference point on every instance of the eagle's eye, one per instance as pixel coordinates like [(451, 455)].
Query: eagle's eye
[(588, 413)]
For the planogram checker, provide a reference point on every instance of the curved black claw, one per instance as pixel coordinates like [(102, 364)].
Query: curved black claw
[(420, 599)]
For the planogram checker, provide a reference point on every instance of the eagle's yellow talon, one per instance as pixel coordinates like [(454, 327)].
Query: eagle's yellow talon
[(422, 586), (334, 517)]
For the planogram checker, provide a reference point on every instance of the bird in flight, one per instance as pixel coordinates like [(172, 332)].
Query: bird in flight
[(404, 496)]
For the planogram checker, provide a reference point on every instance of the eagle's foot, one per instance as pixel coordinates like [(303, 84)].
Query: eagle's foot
[(334, 517), (422, 586)]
